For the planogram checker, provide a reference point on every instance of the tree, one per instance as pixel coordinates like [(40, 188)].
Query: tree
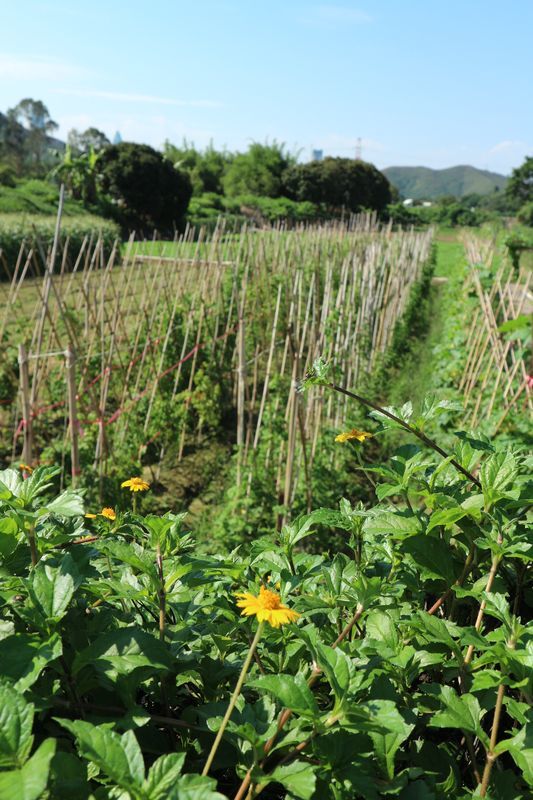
[(89, 139), (520, 186), (259, 171), (205, 168), (79, 174), (34, 118), (141, 189), (338, 183)]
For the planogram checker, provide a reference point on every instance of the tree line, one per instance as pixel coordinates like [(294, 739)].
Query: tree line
[(144, 188)]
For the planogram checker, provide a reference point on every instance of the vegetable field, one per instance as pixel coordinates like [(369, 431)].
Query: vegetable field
[(348, 617)]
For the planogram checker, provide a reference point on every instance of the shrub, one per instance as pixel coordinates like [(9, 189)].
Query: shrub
[(37, 232), (141, 189)]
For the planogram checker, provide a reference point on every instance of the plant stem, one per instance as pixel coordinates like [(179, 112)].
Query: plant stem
[(422, 436), (491, 755), (33, 545), (287, 713), (161, 592), (458, 582), (492, 574), (233, 699)]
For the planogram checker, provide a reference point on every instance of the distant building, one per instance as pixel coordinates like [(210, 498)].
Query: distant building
[(117, 138), (318, 155), (427, 204), (408, 202)]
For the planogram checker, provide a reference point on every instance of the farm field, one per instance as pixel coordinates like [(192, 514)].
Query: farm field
[(264, 515)]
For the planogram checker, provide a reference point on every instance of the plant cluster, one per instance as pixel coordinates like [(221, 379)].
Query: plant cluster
[(397, 666)]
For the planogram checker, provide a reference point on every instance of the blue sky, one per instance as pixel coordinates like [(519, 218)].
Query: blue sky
[(422, 82)]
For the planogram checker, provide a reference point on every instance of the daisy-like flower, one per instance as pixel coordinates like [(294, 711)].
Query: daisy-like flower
[(26, 468), (135, 485), (353, 434), (108, 513), (267, 607)]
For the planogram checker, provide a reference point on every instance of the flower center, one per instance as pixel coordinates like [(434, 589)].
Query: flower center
[(269, 599)]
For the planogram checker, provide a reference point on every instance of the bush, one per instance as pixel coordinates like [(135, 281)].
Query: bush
[(525, 215), (338, 183), (34, 197), (141, 189), (37, 232)]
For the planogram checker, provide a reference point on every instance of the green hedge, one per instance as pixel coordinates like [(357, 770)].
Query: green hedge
[(37, 231)]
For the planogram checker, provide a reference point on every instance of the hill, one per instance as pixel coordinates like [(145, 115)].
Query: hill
[(423, 183)]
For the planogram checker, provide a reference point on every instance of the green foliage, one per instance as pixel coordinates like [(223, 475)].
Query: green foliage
[(525, 214), (36, 231), (206, 168), (141, 189), (259, 171), (449, 214), (422, 183), (338, 183), (407, 674), (520, 186)]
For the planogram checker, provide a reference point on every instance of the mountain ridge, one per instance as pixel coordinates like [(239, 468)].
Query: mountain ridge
[(425, 183)]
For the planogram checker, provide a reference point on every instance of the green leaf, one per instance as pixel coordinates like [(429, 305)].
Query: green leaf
[(195, 787), (8, 536), (496, 475), (16, 722), (446, 517), (67, 504), (128, 554), (399, 525), (387, 744), (25, 656), (432, 555), (292, 692), (119, 757), (123, 652), (51, 588), (297, 777), (68, 777), (380, 627), (163, 774), (29, 782), (520, 747), (463, 712)]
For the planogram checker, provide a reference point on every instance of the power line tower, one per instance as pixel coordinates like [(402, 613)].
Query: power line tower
[(359, 149)]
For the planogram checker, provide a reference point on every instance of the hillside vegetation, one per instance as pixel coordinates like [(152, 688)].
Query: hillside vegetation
[(423, 183)]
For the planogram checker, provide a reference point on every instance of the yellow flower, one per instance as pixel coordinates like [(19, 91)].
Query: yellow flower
[(267, 607), (353, 434), (26, 468), (91, 516), (135, 485), (108, 513)]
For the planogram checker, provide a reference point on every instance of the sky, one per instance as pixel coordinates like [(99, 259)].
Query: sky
[(421, 82)]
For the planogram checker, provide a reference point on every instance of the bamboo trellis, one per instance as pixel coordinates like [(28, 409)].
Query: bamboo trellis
[(258, 305), (495, 373)]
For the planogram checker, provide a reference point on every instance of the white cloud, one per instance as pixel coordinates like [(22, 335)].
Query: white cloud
[(508, 146), (126, 97), (37, 68)]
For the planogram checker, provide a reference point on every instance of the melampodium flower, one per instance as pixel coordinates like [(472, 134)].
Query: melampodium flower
[(135, 485), (353, 434), (108, 513), (267, 607), (26, 468)]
